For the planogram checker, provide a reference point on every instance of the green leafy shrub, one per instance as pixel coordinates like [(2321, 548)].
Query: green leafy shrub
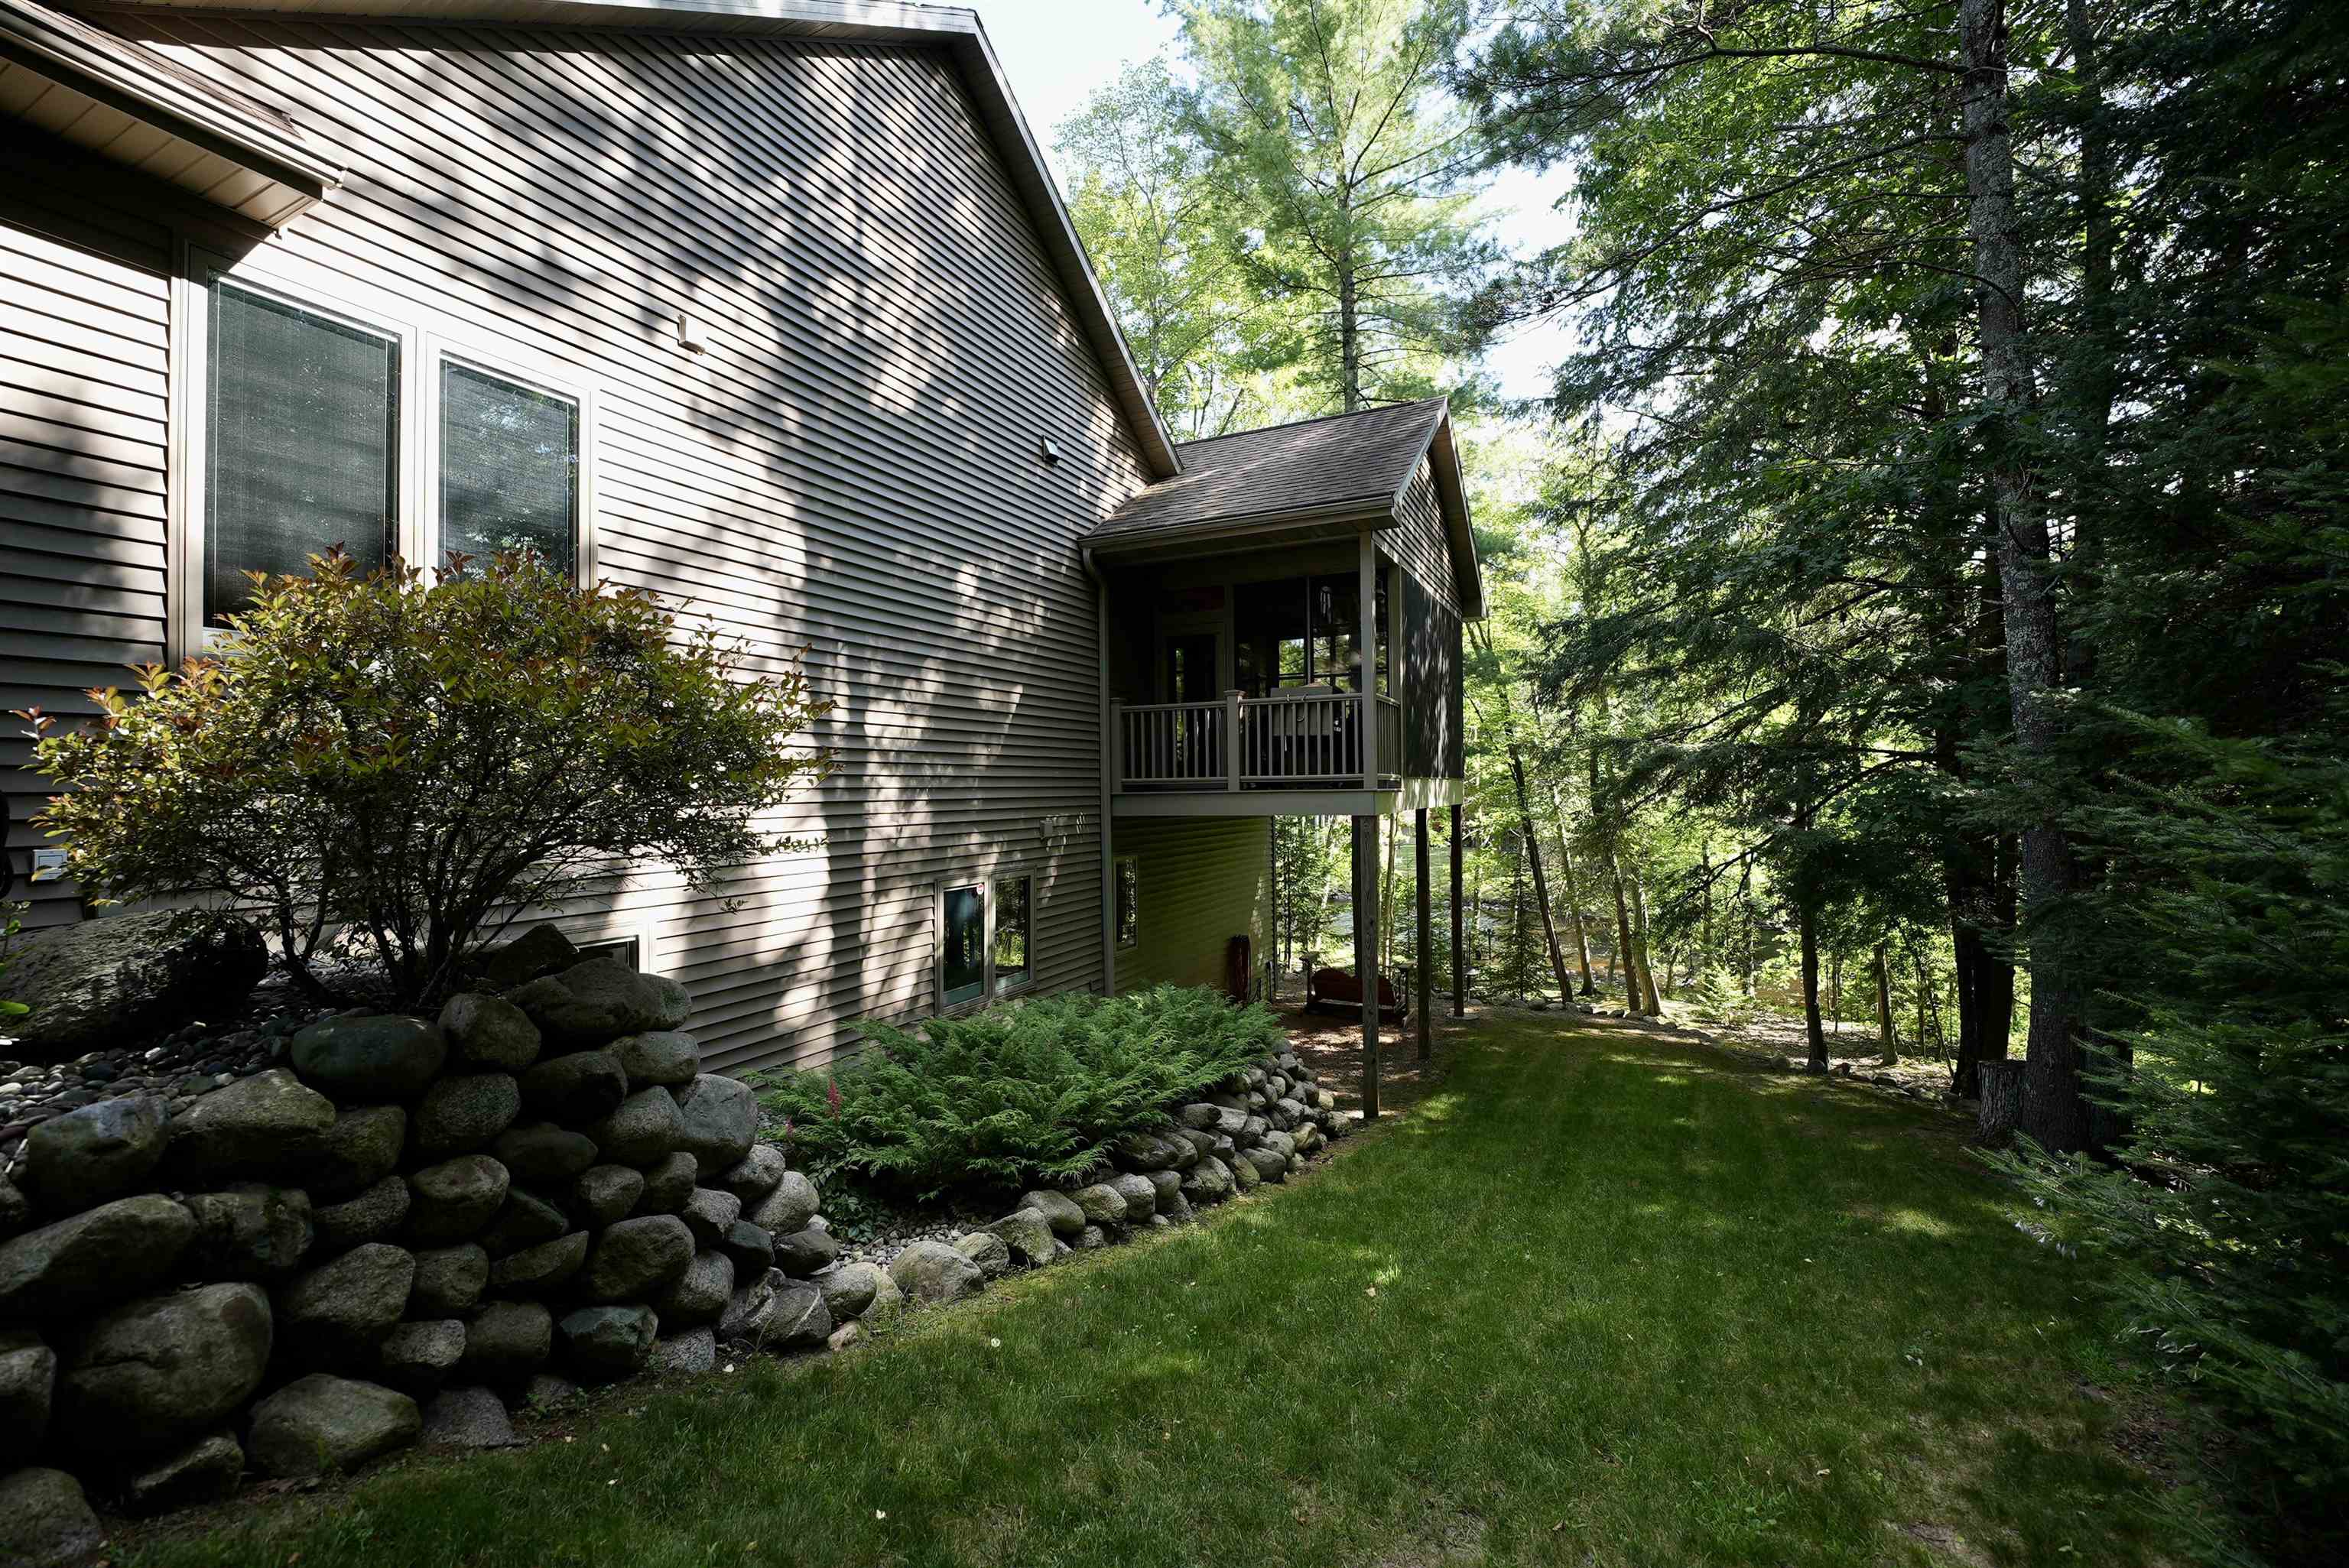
[(1016, 1095), (407, 767)]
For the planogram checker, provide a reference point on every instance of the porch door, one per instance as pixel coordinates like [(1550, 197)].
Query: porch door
[(1192, 675)]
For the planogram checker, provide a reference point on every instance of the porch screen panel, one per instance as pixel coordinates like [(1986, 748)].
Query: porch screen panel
[(509, 468), (301, 443)]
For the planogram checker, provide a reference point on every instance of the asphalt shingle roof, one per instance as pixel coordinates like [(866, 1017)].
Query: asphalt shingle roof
[(1362, 458)]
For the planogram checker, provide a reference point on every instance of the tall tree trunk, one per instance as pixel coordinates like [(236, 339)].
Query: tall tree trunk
[(1835, 990), (1541, 882), (1652, 1002), (2052, 1110), (1809, 929), (1887, 1042), (1745, 913), (1573, 893)]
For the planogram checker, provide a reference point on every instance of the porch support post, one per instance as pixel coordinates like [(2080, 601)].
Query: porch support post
[(1459, 931), (1366, 955), (1232, 741), (1426, 948), (1366, 620)]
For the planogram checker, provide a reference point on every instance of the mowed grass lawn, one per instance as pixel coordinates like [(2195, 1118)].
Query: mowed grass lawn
[(1601, 1299)]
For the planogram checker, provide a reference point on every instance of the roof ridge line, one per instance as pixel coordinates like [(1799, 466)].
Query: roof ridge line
[(1316, 419)]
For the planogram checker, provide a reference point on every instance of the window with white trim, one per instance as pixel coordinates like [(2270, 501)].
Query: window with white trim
[(302, 443), (983, 939), (321, 425)]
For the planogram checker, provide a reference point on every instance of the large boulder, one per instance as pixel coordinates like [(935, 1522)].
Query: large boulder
[(45, 1520), (28, 1380), (658, 1056), (699, 1294), (597, 1002), (99, 983), (465, 1111), (711, 1215), (752, 1247), (449, 1281), (1101, 1203), (576, 1089), (269, 1127), (987, 1251), (643, 1128), (338, 1312), (416, 1358), (787, 1207), (85, 1156), (604, 1343), (802, 1253), (357, 1057), (538, 1270), (1027, 1235), (1058, 1210), (721, 1120), (1141, 1195), (204, 1470), (1165, 1186), (360, 1148), (848, 1289), (1245, 1177), (931, 1271), (1209, 1181), (456, 1199), (669, 1184), (468, 1419), (526, 1221), (636, 1257), (1148, 1151), (541, 950), (320, 1424), (506, 1341), (686, 1353), (1267, 1162), (489, 1034), (754, 1175), (158, 1371), (249, 1231), (1205, 1117), (605, 1194), (94, 1259), (373, 1215), (541, 1152)]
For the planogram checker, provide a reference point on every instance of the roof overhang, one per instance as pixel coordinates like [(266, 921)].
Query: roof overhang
[(1226, 534), (955, 28), (1452, 494), (132, 105)]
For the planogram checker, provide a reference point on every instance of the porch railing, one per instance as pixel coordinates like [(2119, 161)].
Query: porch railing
[(1283, 740)]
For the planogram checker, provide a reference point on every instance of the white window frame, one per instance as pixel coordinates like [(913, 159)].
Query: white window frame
[(985, 882), (424, 341), (440, 349)]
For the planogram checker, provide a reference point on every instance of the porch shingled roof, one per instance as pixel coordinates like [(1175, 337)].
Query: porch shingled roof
[(1322, 466)]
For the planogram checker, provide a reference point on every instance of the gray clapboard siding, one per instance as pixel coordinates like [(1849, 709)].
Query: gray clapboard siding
[(84, 342), (850, 469), (1202, 882), (1419, 542)]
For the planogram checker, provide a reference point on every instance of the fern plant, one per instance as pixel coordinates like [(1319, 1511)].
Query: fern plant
[(1031, 1092)]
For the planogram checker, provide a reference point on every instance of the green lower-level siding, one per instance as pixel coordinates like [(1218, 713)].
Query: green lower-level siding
[(1202, 882)]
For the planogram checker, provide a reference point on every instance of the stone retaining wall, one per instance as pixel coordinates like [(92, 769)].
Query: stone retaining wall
[(416, 1226)]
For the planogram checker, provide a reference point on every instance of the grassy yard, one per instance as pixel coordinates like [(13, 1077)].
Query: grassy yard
[(1603, 1299)]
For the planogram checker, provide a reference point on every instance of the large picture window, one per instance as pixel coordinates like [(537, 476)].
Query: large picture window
[(509, 468), (301, 443), (983, 945)]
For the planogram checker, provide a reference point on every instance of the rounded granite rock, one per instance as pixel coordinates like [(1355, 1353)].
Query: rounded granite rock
[(158, 1371), (720, 1120), (338, 1313), (699, 1294), (658, 1057), (271, 1127), (489, 1033), (94, 1259), (363, 1056), (606, 1343), (93, 1154), (464, 1113), (606, 1194), (358, 1150), (643, 1128), (542, 1152), (249, 1231), (634, 1258), (789, 1207), (373, 1215), (576, 1089), (668, 1185), (456, 1199), (320, 1424), (449, 1281), (506, 1341)]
